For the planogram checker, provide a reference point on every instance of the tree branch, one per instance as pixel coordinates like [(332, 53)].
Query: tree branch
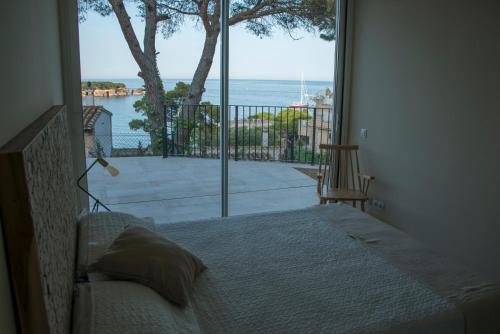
[(160, 18), (251, 16), (179, 10), (240, 16)]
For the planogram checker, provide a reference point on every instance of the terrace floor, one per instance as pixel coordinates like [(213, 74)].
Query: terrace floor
[(178, 189)]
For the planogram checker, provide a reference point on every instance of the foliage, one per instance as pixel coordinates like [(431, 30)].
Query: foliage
[(262, 115), (206, 115), (202, 128), (99, 149), (322, 15), (303, 154), (102, 85), (288, 119), (248, 138), (260, 17), (144, 108), (173, 99), (284, 125)]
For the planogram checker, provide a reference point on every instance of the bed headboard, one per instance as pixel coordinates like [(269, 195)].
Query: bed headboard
[(38, 213)]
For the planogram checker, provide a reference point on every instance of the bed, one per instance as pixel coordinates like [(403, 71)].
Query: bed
[(325, 269)]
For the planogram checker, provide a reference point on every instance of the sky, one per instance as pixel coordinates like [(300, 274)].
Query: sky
[(105, 55)]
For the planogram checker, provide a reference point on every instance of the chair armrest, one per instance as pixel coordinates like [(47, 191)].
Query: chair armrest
[(367, 177), (366, 182)]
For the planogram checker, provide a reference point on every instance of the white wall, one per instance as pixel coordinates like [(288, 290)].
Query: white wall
[(103, 132), (31, 65), (425, 82)]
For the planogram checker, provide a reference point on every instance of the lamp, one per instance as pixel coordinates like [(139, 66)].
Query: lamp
[(112, 170)]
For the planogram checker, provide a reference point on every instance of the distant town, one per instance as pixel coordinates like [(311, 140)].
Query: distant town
[(108, 89)]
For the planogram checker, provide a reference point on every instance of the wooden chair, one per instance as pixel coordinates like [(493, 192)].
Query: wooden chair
[(339, 178)]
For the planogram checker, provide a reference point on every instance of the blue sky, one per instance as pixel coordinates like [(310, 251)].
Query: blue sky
[(105, 54)]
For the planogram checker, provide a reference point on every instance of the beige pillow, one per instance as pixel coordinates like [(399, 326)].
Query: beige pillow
[(143, 256)]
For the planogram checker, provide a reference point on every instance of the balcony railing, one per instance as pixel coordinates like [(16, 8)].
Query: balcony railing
[(264, 133)]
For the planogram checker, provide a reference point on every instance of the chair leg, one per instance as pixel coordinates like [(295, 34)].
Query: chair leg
[(322, 201), (353, 204), (363, 206)]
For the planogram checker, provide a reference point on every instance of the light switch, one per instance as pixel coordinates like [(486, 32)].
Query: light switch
[(364, 133)]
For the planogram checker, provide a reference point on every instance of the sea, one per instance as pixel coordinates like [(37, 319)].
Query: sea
[(241, 92)]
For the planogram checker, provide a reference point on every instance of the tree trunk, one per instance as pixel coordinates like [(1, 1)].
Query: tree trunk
[(154, 85), (146, 60), (197, 87), (154, 95)]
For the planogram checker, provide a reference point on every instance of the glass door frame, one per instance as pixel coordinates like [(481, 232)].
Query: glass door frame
[(224, 101), (340, 72), (341, 28)]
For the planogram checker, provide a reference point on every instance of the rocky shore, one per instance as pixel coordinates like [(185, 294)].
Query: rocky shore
[(113, 92)]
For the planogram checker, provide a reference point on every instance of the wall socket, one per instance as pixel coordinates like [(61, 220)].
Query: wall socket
[(364, 133), (377, 203)]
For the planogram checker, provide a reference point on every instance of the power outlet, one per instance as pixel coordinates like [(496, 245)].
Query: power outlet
[(364, 133), (376, 203)]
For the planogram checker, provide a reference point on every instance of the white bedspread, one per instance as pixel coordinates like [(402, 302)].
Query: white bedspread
[(294, 272)]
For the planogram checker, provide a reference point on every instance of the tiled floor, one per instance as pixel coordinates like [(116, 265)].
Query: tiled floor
[(178, 189)]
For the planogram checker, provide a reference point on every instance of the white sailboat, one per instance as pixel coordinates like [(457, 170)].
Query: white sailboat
[(303, 95)]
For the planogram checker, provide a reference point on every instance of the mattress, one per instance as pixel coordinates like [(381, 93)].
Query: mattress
[(476, 297), (324, 269), (118, 307)]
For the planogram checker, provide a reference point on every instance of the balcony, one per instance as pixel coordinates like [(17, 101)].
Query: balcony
[(179, 188), (175, 175)]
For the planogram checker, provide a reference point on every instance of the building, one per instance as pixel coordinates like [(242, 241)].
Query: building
[(97, 131), (319, 126)]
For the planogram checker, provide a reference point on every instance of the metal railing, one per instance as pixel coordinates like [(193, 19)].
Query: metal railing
[(274, 133), (261, 133)]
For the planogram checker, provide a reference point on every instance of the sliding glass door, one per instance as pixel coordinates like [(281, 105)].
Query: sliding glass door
[(151, 109), (210, 108), (277, 102)]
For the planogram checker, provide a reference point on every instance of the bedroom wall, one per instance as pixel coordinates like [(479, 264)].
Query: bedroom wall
[(34, 77), (425, 80)]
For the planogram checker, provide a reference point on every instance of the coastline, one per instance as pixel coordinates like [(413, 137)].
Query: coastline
[(241, 92)]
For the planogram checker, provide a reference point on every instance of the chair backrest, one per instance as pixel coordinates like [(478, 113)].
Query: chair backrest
[(339, 167)]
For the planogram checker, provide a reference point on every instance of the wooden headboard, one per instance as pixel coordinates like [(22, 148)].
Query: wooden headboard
[(38, 213)]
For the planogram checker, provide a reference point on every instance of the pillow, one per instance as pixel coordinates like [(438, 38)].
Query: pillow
[(127, 308), (96, 232), (141, 255)]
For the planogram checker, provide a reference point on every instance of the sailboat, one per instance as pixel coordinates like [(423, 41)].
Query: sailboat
[(303, 95)]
